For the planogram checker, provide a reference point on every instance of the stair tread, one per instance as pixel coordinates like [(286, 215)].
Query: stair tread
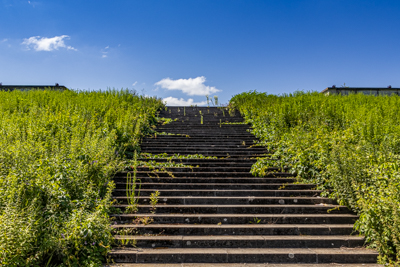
[(242, 265), (240, 205), (240, 237), (285, 251), (250, 215), (237, 197), (234, 226)]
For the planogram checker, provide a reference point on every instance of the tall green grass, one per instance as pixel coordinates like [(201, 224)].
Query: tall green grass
[(58, 153), (350, 144)]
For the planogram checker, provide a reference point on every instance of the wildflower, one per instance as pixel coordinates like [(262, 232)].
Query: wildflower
[(63, 236)]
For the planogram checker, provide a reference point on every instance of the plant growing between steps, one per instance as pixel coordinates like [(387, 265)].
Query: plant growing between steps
[(131, 184), (154, 200), (255, 221), (119, 233)]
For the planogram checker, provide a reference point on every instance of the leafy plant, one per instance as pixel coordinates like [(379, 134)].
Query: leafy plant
[(255, 220), (154, 200)]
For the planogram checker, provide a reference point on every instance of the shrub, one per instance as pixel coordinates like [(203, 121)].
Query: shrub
[(349, 144), (58, 153)]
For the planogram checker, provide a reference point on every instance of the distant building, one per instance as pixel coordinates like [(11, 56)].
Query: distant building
[(364, 90), (32, 87)]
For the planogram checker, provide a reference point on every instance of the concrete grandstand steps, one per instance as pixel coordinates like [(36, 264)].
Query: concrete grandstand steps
[(214, 212)]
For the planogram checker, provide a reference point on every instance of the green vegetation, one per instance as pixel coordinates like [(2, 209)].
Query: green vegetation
[(58, 153), (349, 144)]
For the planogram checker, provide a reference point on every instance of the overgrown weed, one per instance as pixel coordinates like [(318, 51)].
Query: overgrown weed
[(349, 144), (58, 154)]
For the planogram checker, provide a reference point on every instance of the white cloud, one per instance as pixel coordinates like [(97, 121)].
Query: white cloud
[(4, 40), (191, 86), (133, 84), (173, 101), (47, 44), (105, 52)]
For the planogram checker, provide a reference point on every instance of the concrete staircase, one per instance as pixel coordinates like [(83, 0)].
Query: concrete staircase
[(217, 214)]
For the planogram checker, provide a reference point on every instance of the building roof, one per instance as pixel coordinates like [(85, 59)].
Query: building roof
[(30, 87), (360, 89)]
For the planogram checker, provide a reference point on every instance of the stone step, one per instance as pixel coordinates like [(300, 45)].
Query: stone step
[(251, 228), (196, 118), (162, 139), (248, 255), (243, 241), (197, 146), (207, 122), (229, 219), (242, 265), (219, 186), (220, 149), (183, 200), (224, 193), (239, 209), (231, 154), (196, 125), (194, 161), (207, 174), (185, 143), (215, 156), (122, 179), (208, 133), (166, 137), (201, 164), (195, 113), (226, 169), (209, 129), (205, 134)]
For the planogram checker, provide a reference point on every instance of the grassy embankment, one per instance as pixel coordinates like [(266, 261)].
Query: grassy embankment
[(58, 153), (349, 144)]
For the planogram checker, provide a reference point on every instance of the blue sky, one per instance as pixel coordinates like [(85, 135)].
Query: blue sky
[(183, 50)]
